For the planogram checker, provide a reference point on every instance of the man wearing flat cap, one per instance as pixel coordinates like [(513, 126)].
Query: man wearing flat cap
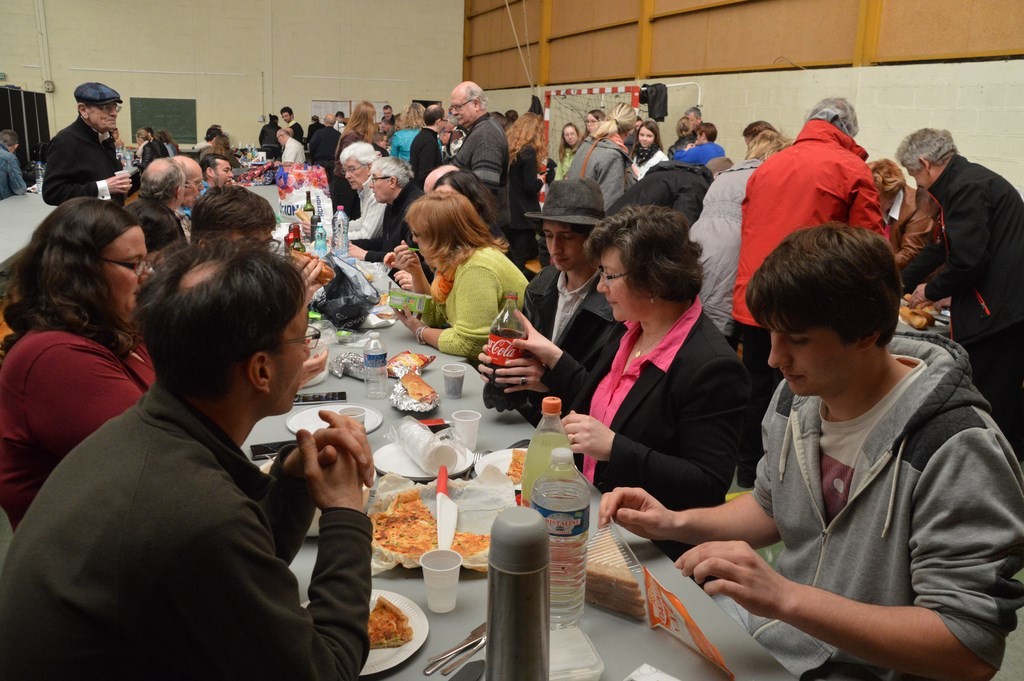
[(81, 160), (562, 301)]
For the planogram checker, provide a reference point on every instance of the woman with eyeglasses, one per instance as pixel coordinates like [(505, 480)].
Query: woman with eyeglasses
[(356, 160), (74, 359), (663, 406), (471, 274), (361, 126)]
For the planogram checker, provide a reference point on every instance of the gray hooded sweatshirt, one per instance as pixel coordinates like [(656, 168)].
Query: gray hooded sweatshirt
[(938, 522)]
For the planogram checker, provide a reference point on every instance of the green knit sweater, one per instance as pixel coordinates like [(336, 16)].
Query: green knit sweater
[(476, 297)]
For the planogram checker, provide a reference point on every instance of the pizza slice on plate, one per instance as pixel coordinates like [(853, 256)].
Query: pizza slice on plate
[(388, 625)]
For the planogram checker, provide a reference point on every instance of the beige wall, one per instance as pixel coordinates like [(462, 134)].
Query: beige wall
[(236, 58), (981, 103)]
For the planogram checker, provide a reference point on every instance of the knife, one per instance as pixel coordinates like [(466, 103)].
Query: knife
[(452, 666), (447, 511), (471, 672)]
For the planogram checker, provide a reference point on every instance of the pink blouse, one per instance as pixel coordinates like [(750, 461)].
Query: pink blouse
[(613, 388)]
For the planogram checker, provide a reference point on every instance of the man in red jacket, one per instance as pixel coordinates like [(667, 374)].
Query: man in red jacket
[(822, 178)]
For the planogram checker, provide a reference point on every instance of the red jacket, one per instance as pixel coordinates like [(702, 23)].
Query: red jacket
[(821, 178)]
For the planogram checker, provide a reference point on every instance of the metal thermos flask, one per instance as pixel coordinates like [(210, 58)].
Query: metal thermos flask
[(518, 599)]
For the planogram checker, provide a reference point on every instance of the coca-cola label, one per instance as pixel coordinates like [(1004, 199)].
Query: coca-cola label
[(501, 350)]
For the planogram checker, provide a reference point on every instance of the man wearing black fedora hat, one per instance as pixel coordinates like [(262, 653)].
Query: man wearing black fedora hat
[(562, 301), (81, 159)]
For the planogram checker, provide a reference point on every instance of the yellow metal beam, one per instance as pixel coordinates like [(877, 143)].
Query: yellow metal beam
[(544, 44), (466, 28), (869, 24), (645, 41)]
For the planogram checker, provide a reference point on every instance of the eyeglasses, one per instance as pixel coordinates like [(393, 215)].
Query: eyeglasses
[(605, 277), (108, 108), (455, 108), (375, 178), (311, 338), (347, 170), (137, 266)]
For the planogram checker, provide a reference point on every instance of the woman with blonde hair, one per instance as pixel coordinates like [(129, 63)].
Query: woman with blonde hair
[(718, 231), (907, 226), (603, 156), (567, 144), (361, 126), (148, 150), (527, 157), (408, 127), (471, 274)]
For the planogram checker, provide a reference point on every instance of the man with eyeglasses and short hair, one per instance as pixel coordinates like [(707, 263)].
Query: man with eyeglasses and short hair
[(191, 190), (156, 547), (391, 182), (81, 159), (485, 147)]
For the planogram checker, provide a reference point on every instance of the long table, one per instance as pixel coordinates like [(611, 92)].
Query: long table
[(19, 217), (623, 644)]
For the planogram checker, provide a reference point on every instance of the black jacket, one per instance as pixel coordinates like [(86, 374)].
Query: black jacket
[(671, 184), (524, 187), (393, 228), (151, 151), (76, 160), (424, 155), (677, 433), (322, 144), (586, 335), (981, 245)]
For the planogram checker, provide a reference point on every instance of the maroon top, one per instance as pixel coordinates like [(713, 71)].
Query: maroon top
[(56, 389)]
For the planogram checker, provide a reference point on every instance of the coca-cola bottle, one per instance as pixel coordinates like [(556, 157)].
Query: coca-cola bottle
[(505, 329)]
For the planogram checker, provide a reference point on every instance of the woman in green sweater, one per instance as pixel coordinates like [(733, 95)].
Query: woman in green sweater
[(471, 274)]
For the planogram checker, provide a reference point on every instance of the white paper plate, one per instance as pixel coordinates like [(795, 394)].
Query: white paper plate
[(392, 458), (310, 420), (500, 459), (386, 658)]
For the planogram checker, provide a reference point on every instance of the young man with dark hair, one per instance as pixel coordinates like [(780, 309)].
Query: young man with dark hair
[(232, 211), (216, 172), (898, 500), (157, 549), (288, 116), (562, 301)]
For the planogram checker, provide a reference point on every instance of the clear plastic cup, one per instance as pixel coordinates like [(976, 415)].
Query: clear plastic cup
[(441, 569)]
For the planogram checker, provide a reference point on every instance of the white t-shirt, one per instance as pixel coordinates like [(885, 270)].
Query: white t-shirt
[(842, 441)]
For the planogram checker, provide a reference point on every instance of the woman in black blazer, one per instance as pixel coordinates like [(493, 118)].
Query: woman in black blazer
[(663, 407)]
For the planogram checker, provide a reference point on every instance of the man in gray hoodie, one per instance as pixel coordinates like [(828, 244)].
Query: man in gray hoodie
[(898, 500)]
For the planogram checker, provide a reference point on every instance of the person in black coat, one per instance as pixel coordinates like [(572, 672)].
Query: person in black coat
[(663, 407), (562, 302), (681, 186), (81, 159), (425, 151), (527, 154)]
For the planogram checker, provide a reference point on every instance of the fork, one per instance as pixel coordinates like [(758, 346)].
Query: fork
[(471, 471)]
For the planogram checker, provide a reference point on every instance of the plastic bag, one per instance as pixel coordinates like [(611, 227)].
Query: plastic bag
[(348, 298)]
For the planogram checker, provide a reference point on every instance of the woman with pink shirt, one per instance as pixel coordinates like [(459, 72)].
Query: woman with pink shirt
[(663, 407)]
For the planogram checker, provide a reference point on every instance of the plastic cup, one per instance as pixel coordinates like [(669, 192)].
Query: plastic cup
[(441, 569), (454, 377), (357, 414), (467, 427)]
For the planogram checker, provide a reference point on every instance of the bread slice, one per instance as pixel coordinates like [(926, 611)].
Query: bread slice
[(388, 625), (611, 582)]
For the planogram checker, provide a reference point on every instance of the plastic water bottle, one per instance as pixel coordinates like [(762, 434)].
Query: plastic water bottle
[(375, 359), (319, 238), (340, 226), (40, 171), (562, 496), (546, 438)]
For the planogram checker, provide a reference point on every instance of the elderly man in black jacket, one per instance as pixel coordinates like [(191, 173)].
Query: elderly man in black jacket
[(979, 250), (81, 160)]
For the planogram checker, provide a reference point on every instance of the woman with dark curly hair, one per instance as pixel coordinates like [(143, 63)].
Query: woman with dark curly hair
[(73, 359), (663, 407)]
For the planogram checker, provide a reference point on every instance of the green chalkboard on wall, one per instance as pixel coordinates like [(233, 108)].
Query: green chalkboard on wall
[(175, 115)]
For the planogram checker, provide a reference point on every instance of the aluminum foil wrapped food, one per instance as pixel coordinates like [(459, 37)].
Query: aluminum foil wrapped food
[(412, 393), (348, 364)]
